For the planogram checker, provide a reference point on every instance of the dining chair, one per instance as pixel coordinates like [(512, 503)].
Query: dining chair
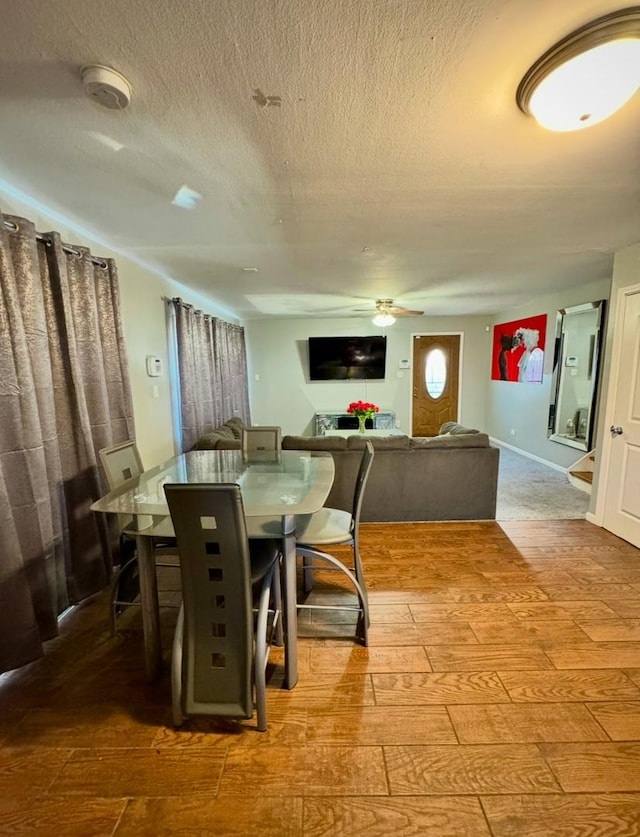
[(221, 644), (260, 439), (122, 462), (329, 527)]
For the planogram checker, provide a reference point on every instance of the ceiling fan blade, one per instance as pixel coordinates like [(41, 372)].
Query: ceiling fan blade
[(386, 306), (404, 312)]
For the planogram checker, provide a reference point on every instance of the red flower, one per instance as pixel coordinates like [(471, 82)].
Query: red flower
[(363, 408)]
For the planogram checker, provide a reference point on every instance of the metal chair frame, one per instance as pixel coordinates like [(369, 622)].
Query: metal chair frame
[(311, 554), (122, 462), (219, 658)]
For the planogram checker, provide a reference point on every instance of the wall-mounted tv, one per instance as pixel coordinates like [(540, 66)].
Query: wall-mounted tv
[(344, 358)]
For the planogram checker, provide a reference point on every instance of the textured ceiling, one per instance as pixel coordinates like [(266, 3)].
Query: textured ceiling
[(396, 164)]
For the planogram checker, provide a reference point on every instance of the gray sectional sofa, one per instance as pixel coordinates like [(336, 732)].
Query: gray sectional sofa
[(452, 476)]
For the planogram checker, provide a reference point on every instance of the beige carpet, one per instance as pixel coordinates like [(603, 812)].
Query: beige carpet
[(529, 490)]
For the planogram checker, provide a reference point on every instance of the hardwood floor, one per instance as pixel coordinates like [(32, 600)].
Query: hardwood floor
[(500, 696)]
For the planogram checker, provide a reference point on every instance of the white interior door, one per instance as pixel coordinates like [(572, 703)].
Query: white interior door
[(622, 500)]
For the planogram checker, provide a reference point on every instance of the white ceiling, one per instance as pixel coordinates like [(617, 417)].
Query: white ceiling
[(397, 165)]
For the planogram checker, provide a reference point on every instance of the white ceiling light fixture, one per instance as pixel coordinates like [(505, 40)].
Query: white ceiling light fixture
[(383, 320), (587, 76)]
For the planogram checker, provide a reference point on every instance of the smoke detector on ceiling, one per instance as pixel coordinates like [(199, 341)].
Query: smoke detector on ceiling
[(106, 87)]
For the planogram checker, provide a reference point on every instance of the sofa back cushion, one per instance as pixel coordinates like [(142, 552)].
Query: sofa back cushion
[(454, 429), (359, 440), (314, 443), (236, 425), (462, 440)]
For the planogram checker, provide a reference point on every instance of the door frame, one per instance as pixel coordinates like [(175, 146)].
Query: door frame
[(412, 337), (604, 439)]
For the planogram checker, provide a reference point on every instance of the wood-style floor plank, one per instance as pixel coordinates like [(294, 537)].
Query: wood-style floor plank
[(491, 768), (418, 816), (438, 688), (36, 815), (378, 725), (205, 815), (594, 768), (520, 724), (323, 660), (561, 686), (313, 770), (620, 720), (610, 815), (499, 697), (139, 772)]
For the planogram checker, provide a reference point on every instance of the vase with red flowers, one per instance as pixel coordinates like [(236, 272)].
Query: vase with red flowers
[(363, 410)]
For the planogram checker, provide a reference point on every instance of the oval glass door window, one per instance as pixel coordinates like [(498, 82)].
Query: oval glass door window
[(435, 373)]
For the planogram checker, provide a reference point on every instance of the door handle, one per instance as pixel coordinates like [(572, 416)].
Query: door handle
[(616, 430)]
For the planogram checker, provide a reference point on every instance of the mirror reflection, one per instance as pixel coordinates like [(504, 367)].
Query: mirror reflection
[(575, 374)]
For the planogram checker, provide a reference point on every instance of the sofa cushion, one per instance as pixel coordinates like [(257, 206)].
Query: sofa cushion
[(461, 440), (454, 429), (314, 443), (358, 441), (209, 441), (235, 424), (229, 444)]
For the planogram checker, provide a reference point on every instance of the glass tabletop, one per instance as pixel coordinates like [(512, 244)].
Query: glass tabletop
[(279, 483)]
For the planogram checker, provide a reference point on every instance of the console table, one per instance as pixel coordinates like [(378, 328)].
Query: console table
[(328, 421)]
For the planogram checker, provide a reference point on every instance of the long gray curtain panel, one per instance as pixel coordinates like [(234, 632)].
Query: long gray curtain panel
[(64, 394), (212, 367)]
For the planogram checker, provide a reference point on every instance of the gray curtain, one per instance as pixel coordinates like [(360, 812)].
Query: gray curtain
[(64, 394), (212, 367)]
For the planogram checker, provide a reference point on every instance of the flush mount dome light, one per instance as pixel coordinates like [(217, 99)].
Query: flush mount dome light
[(587, 76)]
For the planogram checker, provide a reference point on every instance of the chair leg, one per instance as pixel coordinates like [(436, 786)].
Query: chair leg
[(114, 598), (363, 603), (278, 637), (359, 574), (262, 649), (307, 574), (176, 670)]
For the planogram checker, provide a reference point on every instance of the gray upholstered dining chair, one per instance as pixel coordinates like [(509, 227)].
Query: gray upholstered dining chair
[(219, 655), (122, 462), (329, 527), (261, 439)]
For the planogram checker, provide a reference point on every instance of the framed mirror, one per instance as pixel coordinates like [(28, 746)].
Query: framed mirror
[(576, 363)]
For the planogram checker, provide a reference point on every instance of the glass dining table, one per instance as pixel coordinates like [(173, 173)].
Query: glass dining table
[(275, 486)]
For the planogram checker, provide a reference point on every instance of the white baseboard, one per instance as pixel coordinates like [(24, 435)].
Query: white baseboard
[(546, 462)]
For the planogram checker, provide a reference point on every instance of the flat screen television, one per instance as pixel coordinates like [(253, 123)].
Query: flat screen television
[(344, 358)]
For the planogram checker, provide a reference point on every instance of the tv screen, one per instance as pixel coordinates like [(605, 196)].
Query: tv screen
[(338, 358)]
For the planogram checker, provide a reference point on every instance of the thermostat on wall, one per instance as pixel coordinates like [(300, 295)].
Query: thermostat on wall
[(154, 366), (404, 364)]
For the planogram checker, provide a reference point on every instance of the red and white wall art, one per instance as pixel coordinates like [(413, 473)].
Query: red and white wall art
[(518, 350)]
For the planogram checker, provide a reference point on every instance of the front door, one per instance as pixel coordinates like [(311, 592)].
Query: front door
[(622, 482), (436, 374)]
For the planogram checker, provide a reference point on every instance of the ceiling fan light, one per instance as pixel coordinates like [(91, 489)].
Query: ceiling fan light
[(383, 320), (587, 77)]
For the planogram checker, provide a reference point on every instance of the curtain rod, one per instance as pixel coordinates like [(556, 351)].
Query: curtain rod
[(9, 225)]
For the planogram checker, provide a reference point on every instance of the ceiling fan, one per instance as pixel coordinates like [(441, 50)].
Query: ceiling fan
[(386, 312)]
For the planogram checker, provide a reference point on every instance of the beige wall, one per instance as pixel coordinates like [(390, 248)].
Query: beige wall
[(524, 408), (284, 395), (144, 312)]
